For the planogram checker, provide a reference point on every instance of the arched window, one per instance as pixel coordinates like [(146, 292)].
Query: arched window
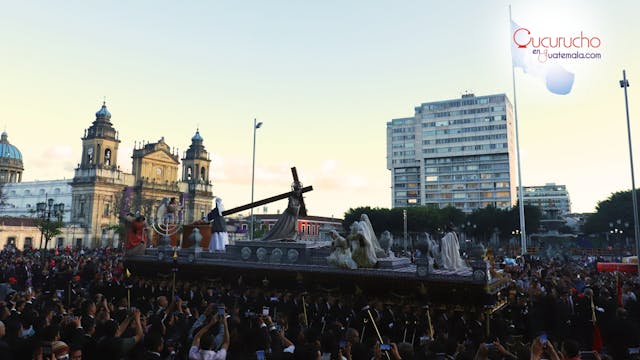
[(107, 157), (189, 173), (56, 191), (42, 192), (202, 174)]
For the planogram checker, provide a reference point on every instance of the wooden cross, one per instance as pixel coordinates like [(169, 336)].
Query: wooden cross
[(303, 209)]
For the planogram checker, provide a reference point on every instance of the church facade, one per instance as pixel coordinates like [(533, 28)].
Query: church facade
[(101, 192)]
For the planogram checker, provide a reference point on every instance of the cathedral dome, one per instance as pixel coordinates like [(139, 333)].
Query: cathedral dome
[(8, 151), (197, 136), (103, 113)]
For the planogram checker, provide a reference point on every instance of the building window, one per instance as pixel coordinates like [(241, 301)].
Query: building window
[(81, 210), (189, 173), (28, 243), (202, 173), (11, 240), (60, 242), (106, 210), (107, 157)]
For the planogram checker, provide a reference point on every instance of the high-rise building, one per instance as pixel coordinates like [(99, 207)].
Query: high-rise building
[(552, 199), (458, 152)]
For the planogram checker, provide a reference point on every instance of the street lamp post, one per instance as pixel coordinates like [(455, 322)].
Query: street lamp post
[(256, 126), (624, 83), (45, 210), (467, 229), (617, 231), (404, 221), (515, 234)]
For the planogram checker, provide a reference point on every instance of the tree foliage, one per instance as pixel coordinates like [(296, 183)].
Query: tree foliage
[(618, 206), (491, 219), (49, 229), (430, 219)]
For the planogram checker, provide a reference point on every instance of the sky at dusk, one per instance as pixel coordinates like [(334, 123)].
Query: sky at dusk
[(324, 78)]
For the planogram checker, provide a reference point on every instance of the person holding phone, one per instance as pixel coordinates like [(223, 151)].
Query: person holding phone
[(485, 348), (114, 343), (541, 345), (391, 349), (279, 343), (201, 347)]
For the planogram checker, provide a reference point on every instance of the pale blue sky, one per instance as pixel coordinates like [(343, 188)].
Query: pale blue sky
[(324, 77)]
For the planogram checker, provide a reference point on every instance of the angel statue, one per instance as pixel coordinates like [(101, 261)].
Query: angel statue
[(362, 250), (341, 252), (386, 240)]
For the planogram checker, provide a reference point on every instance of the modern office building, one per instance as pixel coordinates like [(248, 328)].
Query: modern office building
[(458, 152), (552, 199)]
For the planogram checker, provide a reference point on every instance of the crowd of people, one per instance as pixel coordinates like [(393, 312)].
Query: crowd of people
[(84, 304)]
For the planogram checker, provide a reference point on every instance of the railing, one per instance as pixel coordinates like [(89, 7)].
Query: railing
[(114, 176), (199, 187)]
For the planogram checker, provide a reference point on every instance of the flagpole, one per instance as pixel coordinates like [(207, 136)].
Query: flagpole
[(523, 232), (624, 83)]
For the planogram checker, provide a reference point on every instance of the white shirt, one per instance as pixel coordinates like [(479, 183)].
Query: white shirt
[(196, 353)]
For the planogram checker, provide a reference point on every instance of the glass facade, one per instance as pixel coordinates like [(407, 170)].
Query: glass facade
[(462, 151)]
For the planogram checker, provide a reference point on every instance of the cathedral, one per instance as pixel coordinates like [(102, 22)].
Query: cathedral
[(100, 192)]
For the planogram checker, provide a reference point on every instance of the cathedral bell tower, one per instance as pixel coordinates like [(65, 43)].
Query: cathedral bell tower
[(195, 173), (98, 184), (195, 165), (100, 143)]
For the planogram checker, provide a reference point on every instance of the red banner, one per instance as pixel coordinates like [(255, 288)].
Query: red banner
[(622, 267)]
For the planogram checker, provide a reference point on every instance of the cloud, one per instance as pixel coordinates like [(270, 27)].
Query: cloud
[(338, 185), (329, 174), (55, 162)]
